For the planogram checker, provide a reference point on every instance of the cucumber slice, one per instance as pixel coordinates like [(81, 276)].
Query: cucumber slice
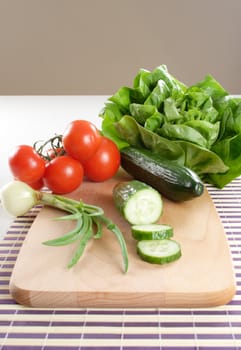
[(159, 251), (140, 204), (154, 231), (144, 207)]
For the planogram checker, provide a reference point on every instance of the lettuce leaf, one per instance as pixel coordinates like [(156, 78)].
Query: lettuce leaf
[(230, 151), (185, 153), (197, 126)]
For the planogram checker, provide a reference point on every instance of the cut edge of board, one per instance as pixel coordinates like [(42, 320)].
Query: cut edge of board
[(121, 299)]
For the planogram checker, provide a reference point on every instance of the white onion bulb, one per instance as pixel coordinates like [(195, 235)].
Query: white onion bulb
[(17, 198)]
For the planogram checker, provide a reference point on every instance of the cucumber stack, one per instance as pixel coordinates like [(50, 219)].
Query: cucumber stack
[(142, 206)]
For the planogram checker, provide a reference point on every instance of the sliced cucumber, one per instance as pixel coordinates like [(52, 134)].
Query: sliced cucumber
[(159, 251), (154, 231), (139, 203)]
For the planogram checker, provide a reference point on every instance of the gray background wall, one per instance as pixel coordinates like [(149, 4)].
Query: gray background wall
[(95, 46)]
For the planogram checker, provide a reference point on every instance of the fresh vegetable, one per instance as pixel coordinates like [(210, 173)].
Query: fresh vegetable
[(141, 205), (37, 185), (26, 164), (81, 139), (104, 163), (138, 202), (151, 232), (63, 161), (159, 251), (18, 198), (175, 182), (197, 126), (63, 174)]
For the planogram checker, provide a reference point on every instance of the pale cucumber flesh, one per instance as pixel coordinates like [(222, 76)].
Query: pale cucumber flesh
[(143, 207)]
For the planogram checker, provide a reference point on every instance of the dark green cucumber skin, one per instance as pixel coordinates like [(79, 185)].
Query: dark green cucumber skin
[(124, 190), (152, 236), (177, 183)]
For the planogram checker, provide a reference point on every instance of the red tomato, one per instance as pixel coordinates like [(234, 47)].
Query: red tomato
[(104, 163), (63, 174), (81, 139), (37, 185), (26, 164)]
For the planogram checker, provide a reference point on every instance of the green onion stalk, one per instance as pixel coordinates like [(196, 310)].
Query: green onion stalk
[(17, 198)]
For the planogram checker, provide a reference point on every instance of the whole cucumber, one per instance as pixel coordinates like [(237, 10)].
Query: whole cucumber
[(175, 182)]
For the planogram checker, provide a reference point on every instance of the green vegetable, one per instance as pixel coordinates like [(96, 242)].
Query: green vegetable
[(159, 251), (17, 198), (174, 181), (154, 231), (137, 202), (197, 126)]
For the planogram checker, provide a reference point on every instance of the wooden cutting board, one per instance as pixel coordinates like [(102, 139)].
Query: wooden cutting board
[(202, 277)]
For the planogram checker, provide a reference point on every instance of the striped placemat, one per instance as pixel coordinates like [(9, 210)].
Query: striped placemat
[(124, 329)]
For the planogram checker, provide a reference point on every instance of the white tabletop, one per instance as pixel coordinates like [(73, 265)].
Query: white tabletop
[(26, 119)]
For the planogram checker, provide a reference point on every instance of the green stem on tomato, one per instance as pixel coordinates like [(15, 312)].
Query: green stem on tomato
[(54, 143)]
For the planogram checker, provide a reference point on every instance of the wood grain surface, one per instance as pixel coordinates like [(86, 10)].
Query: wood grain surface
[(202, 277)]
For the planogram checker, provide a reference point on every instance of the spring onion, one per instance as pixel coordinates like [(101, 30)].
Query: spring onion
[(18, 198)]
